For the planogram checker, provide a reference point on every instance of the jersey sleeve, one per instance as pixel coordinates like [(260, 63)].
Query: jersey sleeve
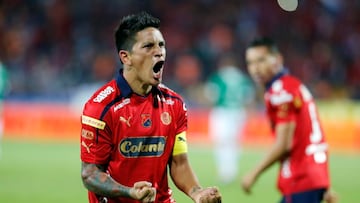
[(180, 145), (95, 135), (181, 121)]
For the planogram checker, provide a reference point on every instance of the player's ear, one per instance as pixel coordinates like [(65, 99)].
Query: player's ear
[(125, 57)]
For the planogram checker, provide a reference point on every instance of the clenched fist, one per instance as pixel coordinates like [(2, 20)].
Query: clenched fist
[(143, 191), (206, 195)]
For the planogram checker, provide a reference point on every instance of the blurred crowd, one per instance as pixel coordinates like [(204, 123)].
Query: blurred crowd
[(52, 47)]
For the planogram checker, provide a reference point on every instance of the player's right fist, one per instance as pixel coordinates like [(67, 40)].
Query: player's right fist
[(143, 191), (206, 195)]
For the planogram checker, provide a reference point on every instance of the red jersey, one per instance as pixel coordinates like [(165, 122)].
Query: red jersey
[(306, 168), (133, 135)]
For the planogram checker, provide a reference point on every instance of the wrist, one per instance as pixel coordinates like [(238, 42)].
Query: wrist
[(193, 190)]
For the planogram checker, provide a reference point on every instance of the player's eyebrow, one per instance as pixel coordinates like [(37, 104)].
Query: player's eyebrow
[(148, 44)]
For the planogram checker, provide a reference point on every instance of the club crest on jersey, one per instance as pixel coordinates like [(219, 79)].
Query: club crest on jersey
[(146, 120), (133, 147), (165, 118)]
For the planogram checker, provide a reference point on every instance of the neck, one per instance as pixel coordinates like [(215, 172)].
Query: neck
[(136, 85), (276, 76)]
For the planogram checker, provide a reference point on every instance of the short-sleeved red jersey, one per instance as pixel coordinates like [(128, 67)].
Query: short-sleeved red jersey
[(133, 135), (306, 168)]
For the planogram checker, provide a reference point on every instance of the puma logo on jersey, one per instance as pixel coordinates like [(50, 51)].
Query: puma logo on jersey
[(181, 139), (126, 121), (87, 147)]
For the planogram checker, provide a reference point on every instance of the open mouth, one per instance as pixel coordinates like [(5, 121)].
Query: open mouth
[(157, 67)]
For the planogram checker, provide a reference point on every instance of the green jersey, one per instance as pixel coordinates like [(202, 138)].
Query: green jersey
[(230, 88), (3, 81)]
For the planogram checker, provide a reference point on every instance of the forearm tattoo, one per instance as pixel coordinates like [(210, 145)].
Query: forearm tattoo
[(99, 182), (194, 189)]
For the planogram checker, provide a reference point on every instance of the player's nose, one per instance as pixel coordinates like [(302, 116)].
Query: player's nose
[(159, 52)]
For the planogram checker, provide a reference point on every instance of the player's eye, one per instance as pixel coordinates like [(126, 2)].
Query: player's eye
[(261, 60), (149, 45)]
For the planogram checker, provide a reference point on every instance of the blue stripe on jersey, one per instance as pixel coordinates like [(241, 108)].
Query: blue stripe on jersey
[(170, 96), (125, 91), (106, 109)]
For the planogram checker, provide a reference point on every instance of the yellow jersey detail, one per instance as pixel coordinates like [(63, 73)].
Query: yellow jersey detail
[(93, 122), (180, 145), (297, 102)]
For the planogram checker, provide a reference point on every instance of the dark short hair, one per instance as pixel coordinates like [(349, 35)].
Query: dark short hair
[(265, 41), (130, 25)]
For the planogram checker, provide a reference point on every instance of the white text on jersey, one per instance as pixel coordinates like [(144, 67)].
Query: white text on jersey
[(103, 94)]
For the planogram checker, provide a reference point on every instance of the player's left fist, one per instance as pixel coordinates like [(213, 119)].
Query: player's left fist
[(207, 195), (143, 191)]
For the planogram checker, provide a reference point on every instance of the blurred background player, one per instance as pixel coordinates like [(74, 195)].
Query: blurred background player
[(229, 90), (3, 90), (300, 144), (134, 128)]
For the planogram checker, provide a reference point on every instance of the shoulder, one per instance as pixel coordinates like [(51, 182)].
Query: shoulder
[(286, 83), (101, 98), (291, 81), (167, 92), (283, 90)]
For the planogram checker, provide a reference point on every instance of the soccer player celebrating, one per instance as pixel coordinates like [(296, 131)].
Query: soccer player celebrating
[(300, 144), (134, 128)]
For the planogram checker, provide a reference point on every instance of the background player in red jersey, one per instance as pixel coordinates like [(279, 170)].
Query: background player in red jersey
[(300, 143), (134, 128)]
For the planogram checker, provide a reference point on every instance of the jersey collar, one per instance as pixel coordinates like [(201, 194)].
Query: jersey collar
[(125, 89), (277, 76)]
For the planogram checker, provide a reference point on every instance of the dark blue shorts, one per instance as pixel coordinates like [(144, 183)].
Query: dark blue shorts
[(311, 196)]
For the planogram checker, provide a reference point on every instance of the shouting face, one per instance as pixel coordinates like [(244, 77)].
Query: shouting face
[(143, 65)]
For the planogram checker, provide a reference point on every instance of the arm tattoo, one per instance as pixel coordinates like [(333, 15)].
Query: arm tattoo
[(194, 189), (96, 180)]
